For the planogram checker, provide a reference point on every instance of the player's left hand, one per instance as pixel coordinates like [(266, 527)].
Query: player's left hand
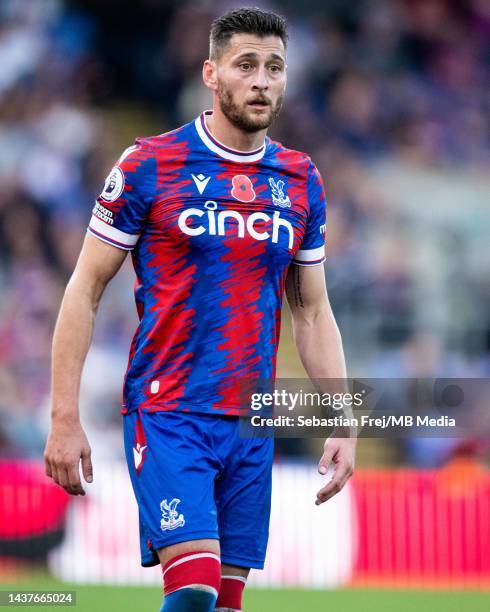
[(342, 452)]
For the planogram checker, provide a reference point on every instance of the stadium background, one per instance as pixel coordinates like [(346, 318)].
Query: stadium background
[(390, 98)]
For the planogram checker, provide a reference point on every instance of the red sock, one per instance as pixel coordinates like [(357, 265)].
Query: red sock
[(230, 592), (196, 567)]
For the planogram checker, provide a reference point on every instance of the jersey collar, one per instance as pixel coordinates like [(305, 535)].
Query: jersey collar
[(220, 149)]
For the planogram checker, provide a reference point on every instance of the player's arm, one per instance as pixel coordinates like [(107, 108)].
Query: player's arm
[(319, 345), (67, 443)]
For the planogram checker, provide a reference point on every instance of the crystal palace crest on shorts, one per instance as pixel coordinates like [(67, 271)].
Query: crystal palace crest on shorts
[(171, 519)]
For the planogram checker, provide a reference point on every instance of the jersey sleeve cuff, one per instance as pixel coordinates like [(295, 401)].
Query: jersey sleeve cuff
[(107, 233), (310, 257)]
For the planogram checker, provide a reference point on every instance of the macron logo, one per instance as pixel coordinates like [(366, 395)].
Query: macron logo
[(138, 455), (201, 181)]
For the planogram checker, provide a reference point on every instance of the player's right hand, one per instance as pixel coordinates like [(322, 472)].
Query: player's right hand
[(67, 444)]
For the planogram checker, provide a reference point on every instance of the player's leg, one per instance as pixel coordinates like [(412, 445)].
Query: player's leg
[(173, 473), (233, 581), (243, 498), (191, 575), (169, 552)]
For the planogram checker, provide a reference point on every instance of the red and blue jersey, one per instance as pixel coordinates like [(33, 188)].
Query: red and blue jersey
[(212, 233)]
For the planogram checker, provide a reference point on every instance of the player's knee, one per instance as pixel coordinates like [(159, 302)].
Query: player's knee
[(167, 553), (191, 582)]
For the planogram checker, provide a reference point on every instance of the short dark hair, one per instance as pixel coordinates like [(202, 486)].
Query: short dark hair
[(245, 21)]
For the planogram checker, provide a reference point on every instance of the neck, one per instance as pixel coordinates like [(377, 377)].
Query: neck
[(230, 135)]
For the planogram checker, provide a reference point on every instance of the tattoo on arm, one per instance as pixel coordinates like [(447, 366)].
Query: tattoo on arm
[(298, 298)]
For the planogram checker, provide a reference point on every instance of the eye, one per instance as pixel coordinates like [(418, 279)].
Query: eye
[(245, 66), (275, 68)]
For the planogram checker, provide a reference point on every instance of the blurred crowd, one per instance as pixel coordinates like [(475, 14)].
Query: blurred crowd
[(391, 100)]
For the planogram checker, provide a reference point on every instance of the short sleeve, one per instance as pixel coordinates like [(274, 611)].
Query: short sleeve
[(312, 249), (121, 210)]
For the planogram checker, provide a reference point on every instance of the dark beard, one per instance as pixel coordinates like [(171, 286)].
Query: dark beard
[(239, 119)]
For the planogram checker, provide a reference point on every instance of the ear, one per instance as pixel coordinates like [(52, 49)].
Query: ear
[(209, 75)]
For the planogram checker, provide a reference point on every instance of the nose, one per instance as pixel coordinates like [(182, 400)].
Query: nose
[(261, 81)]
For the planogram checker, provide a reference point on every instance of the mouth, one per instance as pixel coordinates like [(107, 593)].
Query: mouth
[(259, 104)]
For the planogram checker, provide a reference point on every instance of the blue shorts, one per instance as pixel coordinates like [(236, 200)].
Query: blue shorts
[(195, 477)]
